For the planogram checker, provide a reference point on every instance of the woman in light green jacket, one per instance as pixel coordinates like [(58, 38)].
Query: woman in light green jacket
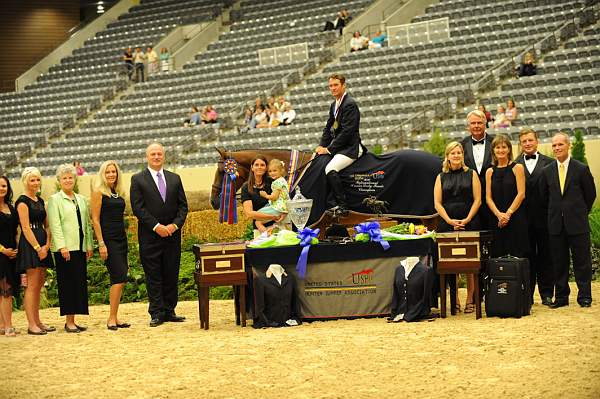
[(71, 244)]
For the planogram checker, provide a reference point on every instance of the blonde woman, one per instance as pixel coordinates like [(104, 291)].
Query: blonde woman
[(69, 221), (457, 198), (108, 207), (33, 257)]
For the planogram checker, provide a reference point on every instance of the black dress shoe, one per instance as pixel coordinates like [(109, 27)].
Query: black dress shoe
[(155, 322), (112, 328), (41, 332), (547, 301), (586, 303), (558, 304), (123, 325), (81, 328), (174, 318), (72, 330)]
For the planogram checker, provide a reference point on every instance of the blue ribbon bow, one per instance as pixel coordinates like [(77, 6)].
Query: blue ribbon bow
[(306, 236), (373, 229)]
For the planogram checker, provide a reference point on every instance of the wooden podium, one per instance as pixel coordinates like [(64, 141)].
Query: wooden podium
[(461, 252), (218, 265)]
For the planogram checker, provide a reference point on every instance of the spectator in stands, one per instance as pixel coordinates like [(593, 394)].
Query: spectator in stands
[(527, 67), (259, 116), (209, 115), (342, 19), (288, 115), (138, 60), (378, 41), (266, 121), (488, 115), (152, 60), (511, 111), (245, 125), (500, 120), (257, 105), (194, 117), (274, 117), (80, 170), (164, 59), (71, 228), (281, 103), (271, 102), (358, 42), (128, 59)]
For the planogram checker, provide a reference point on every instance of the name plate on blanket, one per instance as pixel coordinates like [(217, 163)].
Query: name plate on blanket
[(459, 251)]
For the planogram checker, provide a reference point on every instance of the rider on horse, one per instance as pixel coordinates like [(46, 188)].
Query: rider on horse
[(340, 138)]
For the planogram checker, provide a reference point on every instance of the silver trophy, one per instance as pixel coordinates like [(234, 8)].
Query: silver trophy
[(299, 209)]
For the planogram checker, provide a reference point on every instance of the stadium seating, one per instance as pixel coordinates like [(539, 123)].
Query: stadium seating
[(392, 84)]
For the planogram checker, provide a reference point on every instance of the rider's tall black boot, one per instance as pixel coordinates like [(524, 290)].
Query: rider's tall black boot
[(335, 183)]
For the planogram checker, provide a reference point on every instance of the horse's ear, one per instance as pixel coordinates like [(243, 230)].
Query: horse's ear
[(221, 151)]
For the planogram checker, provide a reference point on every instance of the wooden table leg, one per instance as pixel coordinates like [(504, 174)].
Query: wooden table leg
[(243, 304), (453, 290), (200, 306), (476, 296), (443, 296), (206, 308), (236, 303)]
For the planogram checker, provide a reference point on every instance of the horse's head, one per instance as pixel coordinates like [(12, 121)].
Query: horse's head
[(242, 176)]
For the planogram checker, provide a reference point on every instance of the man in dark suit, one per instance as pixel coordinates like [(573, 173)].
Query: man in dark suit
[(478, 156), (340, 138), (569, 188), (159, 203), (540, 265)]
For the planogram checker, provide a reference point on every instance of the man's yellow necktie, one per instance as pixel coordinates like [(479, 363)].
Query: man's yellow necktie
[(562, 175)]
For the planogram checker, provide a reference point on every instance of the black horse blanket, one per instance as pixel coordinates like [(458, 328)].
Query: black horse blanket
[(404, 179)]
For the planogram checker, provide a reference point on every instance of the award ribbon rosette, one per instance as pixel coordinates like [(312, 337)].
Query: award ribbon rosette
[(228, 208), (370, 231), (307, 237)]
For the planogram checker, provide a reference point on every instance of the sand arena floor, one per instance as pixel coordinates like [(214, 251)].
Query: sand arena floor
[(551, 354)]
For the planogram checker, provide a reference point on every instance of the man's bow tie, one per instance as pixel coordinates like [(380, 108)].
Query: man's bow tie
[(475, 142), (534, 156)]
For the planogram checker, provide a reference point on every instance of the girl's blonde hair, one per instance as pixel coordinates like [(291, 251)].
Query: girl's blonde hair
[(276, 163), (449, 148), (30, 170), (100, 183)]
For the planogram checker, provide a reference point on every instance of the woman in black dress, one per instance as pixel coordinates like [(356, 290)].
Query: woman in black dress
[(457, 198), (258, 181), (33, 257), (108, 207), (505, 186), (71, 227), (9, 279)]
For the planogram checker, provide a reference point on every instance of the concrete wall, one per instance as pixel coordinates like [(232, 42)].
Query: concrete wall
[(75, 41)]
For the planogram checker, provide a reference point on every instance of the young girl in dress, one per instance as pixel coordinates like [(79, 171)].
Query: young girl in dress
[(279, 193)]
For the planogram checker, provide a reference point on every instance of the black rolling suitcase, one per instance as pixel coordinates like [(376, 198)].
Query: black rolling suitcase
[(508, 293)]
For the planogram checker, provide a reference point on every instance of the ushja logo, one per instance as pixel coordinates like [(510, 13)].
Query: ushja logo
[(380, 174), (365, 276)]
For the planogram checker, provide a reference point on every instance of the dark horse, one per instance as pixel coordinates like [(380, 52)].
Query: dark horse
[(404, 179)]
